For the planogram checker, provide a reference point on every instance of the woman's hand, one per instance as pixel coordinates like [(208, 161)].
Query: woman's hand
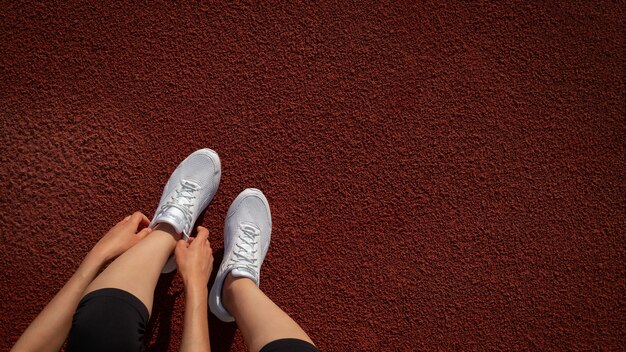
[(122, 236), (49, 330), (195, 262), (195, 259)]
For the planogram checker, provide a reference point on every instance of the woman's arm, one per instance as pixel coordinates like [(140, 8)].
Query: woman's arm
[(196, 326), (50, 328), (195, 262)]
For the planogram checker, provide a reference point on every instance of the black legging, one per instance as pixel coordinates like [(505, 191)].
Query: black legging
[(114, 320)]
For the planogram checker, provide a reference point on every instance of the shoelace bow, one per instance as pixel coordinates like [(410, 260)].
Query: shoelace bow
[(186, 191), (244, 257)]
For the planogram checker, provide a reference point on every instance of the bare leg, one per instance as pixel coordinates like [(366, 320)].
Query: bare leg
[(260, 320), (137, 270)]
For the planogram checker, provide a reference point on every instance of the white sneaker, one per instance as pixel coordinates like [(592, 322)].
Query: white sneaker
[(247, 233), (188, 191)]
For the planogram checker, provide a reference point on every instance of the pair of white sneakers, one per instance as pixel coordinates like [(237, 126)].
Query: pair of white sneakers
[(247, 228)]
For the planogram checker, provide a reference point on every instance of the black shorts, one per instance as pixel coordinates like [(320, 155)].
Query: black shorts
[(108, 320), (114, 320)]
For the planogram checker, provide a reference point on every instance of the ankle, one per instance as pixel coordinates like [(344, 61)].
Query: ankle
[(233, 285), (168, 229)]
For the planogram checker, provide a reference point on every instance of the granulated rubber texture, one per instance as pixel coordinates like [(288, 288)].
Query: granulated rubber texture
[(441, 176)]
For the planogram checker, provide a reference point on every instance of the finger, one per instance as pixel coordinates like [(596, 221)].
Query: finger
[(143, 233), (145, 220), (137, 218), (123, 220), (181, 247), (203, 235)]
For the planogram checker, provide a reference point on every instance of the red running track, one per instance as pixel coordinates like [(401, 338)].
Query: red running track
[(442, 177)]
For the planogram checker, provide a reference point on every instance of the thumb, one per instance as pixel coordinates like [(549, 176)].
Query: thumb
[(143, 233), (181, 248), (203, 234)]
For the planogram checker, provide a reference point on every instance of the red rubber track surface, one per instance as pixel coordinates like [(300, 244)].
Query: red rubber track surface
[(440, 176)]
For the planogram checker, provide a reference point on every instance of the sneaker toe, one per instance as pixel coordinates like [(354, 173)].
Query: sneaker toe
[(201, 168), (253, 209)]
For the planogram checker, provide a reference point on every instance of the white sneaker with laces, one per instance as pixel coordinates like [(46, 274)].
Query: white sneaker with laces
[(190, 189), (247, 233)]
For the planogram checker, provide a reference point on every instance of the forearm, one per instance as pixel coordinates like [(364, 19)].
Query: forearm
[(50, 328), (196, 325)]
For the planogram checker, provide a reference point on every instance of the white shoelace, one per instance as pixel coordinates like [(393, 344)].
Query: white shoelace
[(186, 191), (244, 257)]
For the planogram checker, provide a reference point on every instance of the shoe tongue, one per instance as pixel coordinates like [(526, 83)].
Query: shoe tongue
[(244, 272), (174, 217)]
